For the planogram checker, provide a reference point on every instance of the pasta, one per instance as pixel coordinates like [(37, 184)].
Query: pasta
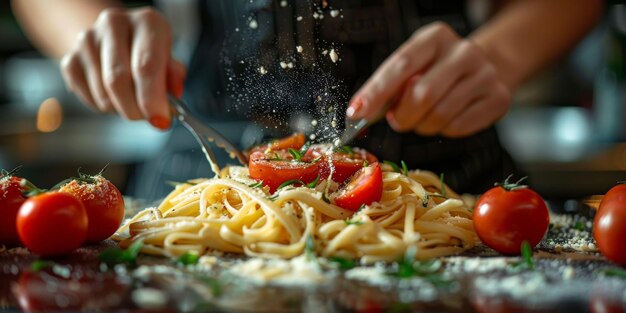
[(228, 214)]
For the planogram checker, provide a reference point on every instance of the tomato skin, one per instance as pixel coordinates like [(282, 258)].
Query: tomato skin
[(52, 223), (104, 204), (295, 141), (11, 199), (345, 164), (504, 219), (274, 173), (365, 187), (609, 225)]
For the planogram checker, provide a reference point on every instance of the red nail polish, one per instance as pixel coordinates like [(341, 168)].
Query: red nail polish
[(354, 108), (160, 122)]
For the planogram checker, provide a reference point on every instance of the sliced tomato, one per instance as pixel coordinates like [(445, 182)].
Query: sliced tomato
[(11, 198), (345, 161), (277, 167), (365, 187), (295, 141)]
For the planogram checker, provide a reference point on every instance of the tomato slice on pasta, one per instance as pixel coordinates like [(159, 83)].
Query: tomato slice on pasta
[(345, 161), (295, 141), (365, 187), (277, 167)]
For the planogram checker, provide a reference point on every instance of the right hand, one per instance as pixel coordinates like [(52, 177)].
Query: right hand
[(123, 64)]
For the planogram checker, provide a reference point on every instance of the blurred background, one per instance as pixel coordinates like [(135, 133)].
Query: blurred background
[(566, 128)]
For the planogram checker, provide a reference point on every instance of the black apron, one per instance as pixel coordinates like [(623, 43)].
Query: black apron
[(291, 41)]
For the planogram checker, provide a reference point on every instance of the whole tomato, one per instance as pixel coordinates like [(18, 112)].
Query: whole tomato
[(52, 223), (103, 202), (11, 198), (509, 214), (609, 225)]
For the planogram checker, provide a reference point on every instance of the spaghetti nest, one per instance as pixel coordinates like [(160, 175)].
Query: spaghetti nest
[(228, 214)]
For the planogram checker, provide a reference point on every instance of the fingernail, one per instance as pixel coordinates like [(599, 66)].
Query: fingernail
[(354, 108), (391, 119), (160, 122)]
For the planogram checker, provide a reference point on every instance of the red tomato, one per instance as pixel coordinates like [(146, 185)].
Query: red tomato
[(295, 141), (504, 218), (103, 202), (278, 167), (11, 198), (52, 223), (365, 187), (609, 225), (345, 162)]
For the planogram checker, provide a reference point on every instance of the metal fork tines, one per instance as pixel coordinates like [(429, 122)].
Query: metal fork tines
[(205, 135)]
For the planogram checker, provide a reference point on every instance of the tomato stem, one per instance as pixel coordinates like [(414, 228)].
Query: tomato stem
[(508, 186)]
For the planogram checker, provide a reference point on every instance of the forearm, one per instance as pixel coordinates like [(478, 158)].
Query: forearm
[(54, 25), (528, 34)]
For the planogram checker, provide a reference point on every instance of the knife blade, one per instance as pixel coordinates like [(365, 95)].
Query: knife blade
[(354, 127), (205, 134)]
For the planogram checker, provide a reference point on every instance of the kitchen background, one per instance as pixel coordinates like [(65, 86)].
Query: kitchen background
[(566, 129)]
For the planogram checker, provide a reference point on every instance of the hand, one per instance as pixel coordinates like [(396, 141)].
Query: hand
[(123, 64), (436, 84)]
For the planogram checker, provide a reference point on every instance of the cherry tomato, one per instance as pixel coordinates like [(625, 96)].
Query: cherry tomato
[(345, 161), (506, 217), (52, 223), (365, 187), (609, 225), (295, 141), (103, 202), (11, 198), (277, 167)]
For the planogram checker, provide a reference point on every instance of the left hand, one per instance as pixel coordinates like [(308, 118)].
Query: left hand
[(436, 83)]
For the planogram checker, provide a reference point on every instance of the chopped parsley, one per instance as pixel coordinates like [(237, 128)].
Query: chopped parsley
[(345, 149), (289, 183), (614, 272), (116, 255), (579, 226), (351, 222), (188, 258), (256, 185), (344, 264), (39, 265), (430, 270), (314, 182), (405, 169), (527, 260)]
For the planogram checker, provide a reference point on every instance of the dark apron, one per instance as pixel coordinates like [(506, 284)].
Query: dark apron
[(224, 83)]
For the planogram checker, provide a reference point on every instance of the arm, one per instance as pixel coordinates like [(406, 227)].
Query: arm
[(53, 26), (115, 59), (441, 84), (527, 35)]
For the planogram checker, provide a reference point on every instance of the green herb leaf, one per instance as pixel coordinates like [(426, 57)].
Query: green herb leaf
[(614, 272), (361, 208), (325, 198), (365, 163), (290, 182), (273, 197), (580, 226), (351, 222), (214, 284), (305, 148), (314, 183), (309, 247), (527, 257), (430, 270), (344, 264), (39, 265), (345, 149), (405, 169), (188, 258), (394, 166), (295, 154), (275, 158), (443, 185), (257, 184), (114, 256)]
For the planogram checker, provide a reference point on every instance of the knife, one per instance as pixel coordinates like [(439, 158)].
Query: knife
[(205, 135), (354, 127)]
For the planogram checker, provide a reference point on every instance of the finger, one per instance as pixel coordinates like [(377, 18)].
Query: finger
[(464, 93), (74, 77), (406, 105), (481, 114), (412, 57), (150, 54), (438, 81), (176, 73), (114, 54), (90, 61)]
